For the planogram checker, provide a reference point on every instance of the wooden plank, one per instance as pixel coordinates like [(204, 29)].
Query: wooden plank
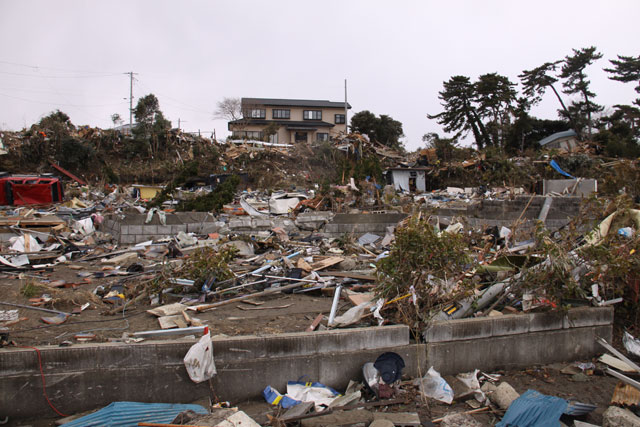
[(312, 327), (349, 275), (327, 262), (68, 174)]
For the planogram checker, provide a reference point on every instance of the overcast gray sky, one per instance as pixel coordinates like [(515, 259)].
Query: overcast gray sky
[(71, 55)]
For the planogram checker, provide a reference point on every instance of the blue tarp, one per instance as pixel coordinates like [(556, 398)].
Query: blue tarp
[(534, 409), (557, 167), (125, 414)]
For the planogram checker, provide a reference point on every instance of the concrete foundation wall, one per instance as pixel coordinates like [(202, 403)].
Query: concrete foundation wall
[(486, 213), (582, 188), (517, 340), (89, 376), (132, 228), (362, 223)]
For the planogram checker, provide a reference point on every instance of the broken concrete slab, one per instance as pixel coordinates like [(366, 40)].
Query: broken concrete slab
[(342, 418), (409, 419), (504, 395), (619, 417), (459, 420)]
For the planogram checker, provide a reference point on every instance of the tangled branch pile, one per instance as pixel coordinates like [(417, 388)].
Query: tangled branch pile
[(426, 263)]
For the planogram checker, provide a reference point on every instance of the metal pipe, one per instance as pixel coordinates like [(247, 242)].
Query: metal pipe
[(334, 305), (34, 308)]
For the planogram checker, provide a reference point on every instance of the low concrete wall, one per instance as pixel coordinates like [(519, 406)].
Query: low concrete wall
[(362, 223), (132, 228), (517, 340), (581, 188), (487, 213), (89, 376)]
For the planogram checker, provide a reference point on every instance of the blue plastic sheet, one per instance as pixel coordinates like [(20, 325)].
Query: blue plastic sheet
[(272, 396), (557, 167), (125, 414), (534, 409)]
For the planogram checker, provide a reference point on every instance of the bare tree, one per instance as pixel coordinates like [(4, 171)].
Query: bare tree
[(228, 109), (115, 118)]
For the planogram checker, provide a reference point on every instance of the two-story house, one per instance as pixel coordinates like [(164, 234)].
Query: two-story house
[(292, 120)]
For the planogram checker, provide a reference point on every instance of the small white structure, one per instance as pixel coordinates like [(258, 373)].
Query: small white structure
[(413, 180), (567, 140), (581, 187)]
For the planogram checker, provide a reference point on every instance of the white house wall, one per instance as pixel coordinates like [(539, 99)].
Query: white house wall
[(401, 180)]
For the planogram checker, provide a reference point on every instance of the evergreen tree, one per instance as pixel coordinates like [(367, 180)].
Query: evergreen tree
[(383, 129), (460, 115), (577, 82), (626, 69), (495, 96)]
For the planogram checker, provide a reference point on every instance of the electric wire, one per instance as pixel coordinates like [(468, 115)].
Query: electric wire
[(44, 384)]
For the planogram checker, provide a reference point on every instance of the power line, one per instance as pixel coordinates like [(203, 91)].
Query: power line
[(60, 77), (57, 103), (38, 67)]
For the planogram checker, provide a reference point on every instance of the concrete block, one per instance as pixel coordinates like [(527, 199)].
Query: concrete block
[(240, 223), (127, 239), (619, 417), (546, 321), (139, 238), (588, 316), (459, 420), (504, 395), (176, 228), (342, 340), (135, 229), (261, 223), (398, 418), (124, 229), (510, 324), (239, 348), (204, 228), (461, 329), (163, 230), (150, 230), (291, 344)]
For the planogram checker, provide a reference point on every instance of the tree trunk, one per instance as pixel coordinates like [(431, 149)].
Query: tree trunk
[(564, 107)]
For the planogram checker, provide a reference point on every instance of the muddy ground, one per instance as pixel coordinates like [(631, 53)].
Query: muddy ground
[(276, 313)]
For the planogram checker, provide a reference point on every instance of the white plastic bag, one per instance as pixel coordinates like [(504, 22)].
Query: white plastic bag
[(435, 387), (199, 360)]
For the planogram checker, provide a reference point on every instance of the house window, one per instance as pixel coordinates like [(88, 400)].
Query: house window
[(250, 134), (256, 113), (312, 114), (339, 119), (281, 114), (322, 136), (301, 137), (273, 138)]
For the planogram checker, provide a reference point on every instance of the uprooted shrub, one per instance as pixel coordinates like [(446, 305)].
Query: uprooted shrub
[(575, 261), (424, 262), (204, 264), (215, 200)]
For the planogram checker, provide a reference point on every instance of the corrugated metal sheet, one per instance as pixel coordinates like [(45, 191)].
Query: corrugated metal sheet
[(125, 414), (625, 395)]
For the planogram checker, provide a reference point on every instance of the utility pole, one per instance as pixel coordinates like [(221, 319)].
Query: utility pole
[(131, 74), (346, 123)]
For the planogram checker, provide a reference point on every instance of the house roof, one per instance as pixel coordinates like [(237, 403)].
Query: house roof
[(557, 135), (306, 124), (399, 168), (318, 103)]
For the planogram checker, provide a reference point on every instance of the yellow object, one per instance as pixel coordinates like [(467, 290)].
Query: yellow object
[(148, 192)]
